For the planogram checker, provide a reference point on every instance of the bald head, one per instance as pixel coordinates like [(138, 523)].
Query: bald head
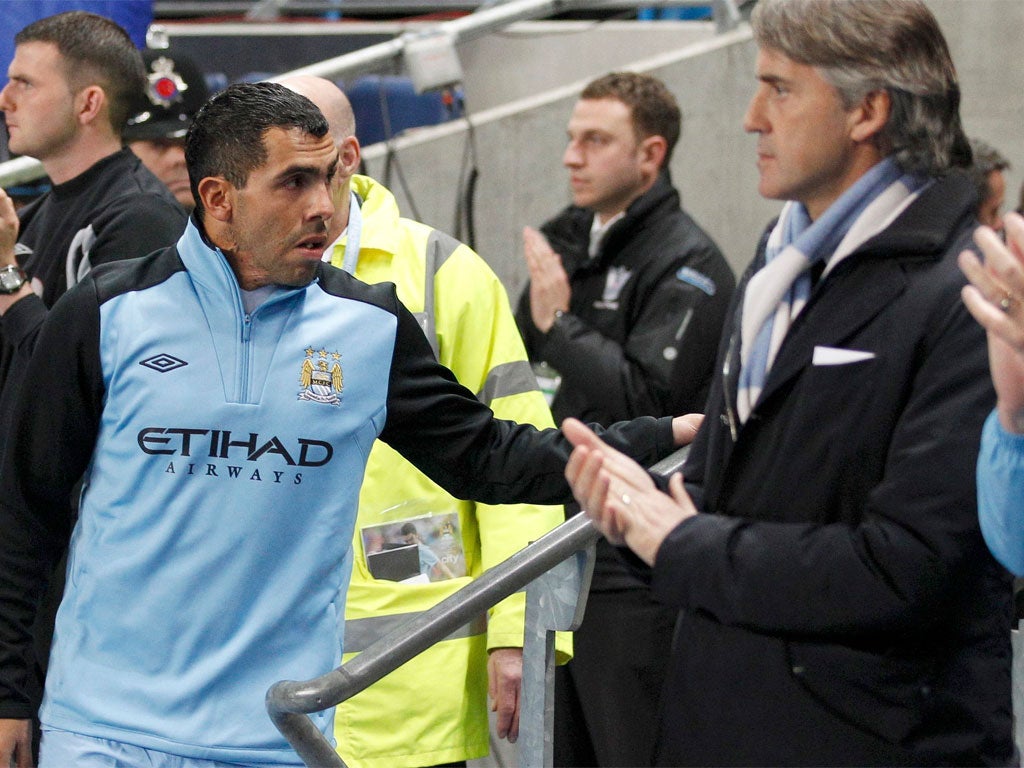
[(330, 100)]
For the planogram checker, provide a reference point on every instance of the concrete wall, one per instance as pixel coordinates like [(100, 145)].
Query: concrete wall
[(518, 146), (524, 59)]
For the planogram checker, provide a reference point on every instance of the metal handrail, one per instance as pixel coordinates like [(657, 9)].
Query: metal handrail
[(459, 30), (290, 702)]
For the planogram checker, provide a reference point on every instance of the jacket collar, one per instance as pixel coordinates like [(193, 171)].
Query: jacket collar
[(380, 216), (208, 267), (925, 231), (661, 195)]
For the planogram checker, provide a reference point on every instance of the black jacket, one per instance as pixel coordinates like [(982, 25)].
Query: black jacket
[(839, 604), (647, 349), (114, 210)]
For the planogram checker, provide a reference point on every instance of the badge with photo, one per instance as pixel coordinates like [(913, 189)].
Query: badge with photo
[(415, 549)]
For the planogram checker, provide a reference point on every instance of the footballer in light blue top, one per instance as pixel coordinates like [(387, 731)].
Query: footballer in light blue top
[(235, 492)]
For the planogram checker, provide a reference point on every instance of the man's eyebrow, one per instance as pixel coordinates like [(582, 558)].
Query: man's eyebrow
[(300, 170)]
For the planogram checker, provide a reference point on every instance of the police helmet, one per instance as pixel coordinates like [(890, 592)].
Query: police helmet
[(175, 90)]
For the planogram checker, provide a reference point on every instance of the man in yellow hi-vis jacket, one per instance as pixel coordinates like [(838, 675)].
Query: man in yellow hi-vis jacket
[(414, 544)]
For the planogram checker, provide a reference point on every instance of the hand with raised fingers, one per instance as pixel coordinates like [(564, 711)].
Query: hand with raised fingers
[(549, 283), (995, 297)]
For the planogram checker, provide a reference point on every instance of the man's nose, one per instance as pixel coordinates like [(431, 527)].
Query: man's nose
[(323, 203), (5, 103), (572, 156)]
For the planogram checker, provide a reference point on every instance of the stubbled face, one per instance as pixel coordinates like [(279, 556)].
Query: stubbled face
[(165, 158), (804, 148), (279, 219), (38, 105), (990, 212), (605, 159)]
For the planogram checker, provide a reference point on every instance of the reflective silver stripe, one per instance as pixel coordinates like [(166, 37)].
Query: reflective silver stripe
[(360, 634), (508, 379), (439, 248)]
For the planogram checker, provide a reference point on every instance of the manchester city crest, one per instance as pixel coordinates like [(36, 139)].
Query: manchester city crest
[(321, 377)]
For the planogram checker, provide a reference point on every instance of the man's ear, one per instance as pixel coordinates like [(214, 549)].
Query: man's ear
[(652, 154), (218, 197), (870, 116), (90, 103), (349, 156)]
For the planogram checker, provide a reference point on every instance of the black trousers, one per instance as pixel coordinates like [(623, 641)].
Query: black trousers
[(607, 697)]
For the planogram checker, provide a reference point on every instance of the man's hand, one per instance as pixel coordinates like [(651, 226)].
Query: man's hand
[(684, 428), (504, 687), (15, 743), (8, 237), (8, 231), (996, 299), (549, 284), (619, 496)]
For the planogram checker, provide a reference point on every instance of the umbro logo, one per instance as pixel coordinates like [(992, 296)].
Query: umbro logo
[(163, 363)]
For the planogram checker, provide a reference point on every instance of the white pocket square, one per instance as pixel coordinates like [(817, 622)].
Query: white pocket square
[(836, 356)]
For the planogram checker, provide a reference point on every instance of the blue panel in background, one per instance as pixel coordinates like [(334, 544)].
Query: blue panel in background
[(134, 15), (692, 13), (405, 108)]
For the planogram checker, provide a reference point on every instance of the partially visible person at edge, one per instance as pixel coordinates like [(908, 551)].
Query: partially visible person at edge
[(838, 605), (71, 85), (175, 90), (988, 166), (996, 299), (72, 82), (626, 302), (221, 397), (441, 695)]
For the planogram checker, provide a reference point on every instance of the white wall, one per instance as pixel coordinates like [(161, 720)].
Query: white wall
[(517, 62)]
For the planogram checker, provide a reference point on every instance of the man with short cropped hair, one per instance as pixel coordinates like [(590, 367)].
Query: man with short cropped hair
[(987, 167), (73, 81), (625, 304)]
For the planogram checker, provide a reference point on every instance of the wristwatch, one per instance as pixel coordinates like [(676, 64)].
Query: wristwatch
[(557, 316), (12, 277)]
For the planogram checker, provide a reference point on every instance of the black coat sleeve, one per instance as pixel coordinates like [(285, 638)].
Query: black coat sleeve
[(53, 436), (454, 439)]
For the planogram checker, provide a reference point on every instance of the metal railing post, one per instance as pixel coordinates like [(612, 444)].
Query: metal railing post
[(554, 602), (289, 702)]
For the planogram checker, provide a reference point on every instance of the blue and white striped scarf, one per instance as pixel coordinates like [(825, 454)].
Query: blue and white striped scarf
[(778, 292)]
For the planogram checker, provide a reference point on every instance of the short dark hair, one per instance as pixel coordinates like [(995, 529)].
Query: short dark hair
[(986, 160), (890, 45), (226, 137), (653, 107), (95, 51)]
